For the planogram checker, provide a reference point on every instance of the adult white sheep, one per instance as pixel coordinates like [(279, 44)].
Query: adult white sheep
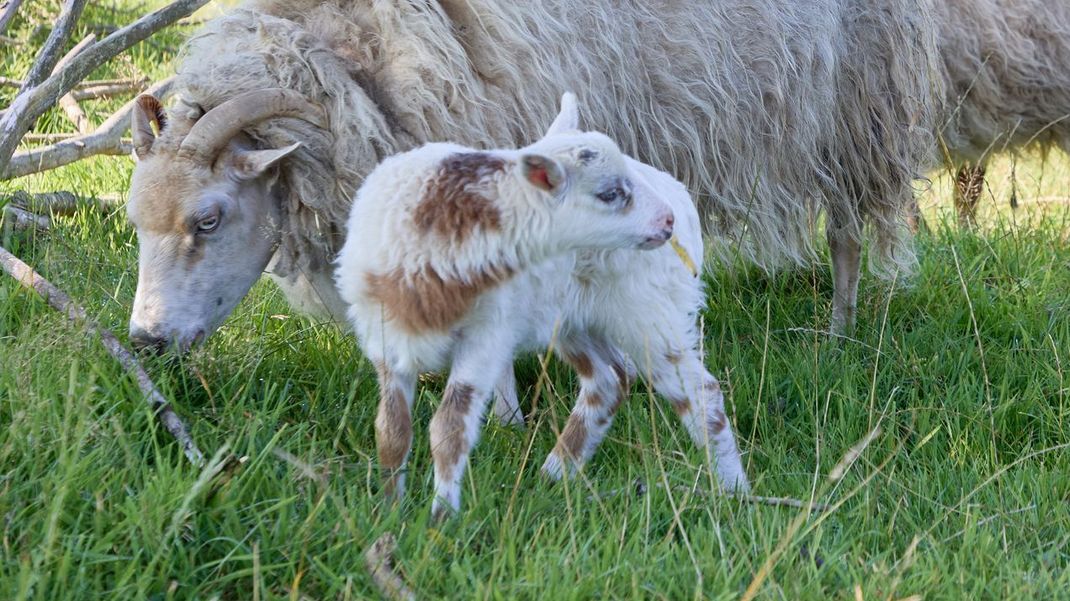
[(457, 258), (1007, 81), (770, 111)]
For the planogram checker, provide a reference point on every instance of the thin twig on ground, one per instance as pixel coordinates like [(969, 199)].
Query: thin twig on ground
[(379, 559), (59, 301)]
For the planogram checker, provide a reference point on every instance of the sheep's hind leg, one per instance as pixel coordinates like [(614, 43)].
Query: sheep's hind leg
[(604, 380), (846, 250), (696, 397), (506, 404), (393, 426), (477, 366)]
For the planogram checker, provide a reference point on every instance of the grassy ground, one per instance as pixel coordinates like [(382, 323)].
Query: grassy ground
[(963, 494)]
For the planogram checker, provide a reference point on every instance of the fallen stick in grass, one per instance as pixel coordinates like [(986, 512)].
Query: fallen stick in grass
[(379, 558), (20, 219), (50, 204), (59, 301)]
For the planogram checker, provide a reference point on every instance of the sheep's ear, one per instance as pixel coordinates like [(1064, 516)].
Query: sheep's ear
[(543, 172), (148, 110), (249, 164), (568, 118)]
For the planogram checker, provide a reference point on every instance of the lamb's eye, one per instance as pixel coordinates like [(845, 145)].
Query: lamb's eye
[(610, 195), (208, 224)]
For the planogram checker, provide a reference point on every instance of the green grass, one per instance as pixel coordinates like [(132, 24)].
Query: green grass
[(964, 494)]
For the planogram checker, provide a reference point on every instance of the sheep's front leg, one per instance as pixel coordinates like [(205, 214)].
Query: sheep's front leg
[(393, 426), (477, 365), (506, 404), (846, 250), (697, 398), (604, 380)]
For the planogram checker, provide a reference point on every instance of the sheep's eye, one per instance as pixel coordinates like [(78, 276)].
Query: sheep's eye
[(610, 195), (208, 224)]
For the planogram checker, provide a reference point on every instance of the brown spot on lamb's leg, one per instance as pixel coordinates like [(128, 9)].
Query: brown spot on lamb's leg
[(393, 427), (603, 381), (846, 252), (969, 184), (696, 397)]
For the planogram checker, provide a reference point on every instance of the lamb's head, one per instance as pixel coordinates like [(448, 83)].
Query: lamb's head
[(598, 200), (207, 215)]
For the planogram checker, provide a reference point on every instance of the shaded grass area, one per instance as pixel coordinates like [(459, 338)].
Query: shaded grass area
[(964, 494)]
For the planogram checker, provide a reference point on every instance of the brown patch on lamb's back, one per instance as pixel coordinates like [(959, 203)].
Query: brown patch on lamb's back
[(427, 301), (455, 203)]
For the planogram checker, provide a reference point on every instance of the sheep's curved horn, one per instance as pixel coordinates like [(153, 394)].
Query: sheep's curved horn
[(212, 131)]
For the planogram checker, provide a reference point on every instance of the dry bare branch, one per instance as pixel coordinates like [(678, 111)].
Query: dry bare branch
[(379, 558), (50, 53), (8, 8), (67, 102), (109, 90), (20, 219), (57, 203), (107, 139), (35, 99), (59, 301), (85, 87)]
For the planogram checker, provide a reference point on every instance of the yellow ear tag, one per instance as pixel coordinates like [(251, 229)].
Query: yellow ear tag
[(682, 253)]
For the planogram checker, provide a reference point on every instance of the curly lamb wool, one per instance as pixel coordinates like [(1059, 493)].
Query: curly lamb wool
[(770, 111)]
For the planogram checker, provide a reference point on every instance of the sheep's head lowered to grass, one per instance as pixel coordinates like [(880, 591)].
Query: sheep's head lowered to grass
[(203, 200)]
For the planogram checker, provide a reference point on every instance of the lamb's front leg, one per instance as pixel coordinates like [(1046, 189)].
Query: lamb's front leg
[(477, 366), (604, 380), (697, 398)]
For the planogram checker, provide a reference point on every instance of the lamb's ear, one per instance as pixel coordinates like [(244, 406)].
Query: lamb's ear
[(249, 164), (543, 172), (568, 118), (148, 110)]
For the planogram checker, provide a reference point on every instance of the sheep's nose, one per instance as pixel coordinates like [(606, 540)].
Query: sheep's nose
[(144, 341)]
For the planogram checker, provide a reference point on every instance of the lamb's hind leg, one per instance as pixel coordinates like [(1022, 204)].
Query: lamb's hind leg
[(697, 398), (846, 250), (604, 380), (393, 426), (477, 366), (506, 404)]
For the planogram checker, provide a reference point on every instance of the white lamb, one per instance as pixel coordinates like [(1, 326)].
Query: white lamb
[(462, 258)]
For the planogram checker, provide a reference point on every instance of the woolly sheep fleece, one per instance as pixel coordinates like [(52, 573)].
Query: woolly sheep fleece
[(770, 111), (1006, 71)]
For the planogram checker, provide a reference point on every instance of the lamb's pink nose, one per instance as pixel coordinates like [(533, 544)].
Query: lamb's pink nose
[(667, 221)]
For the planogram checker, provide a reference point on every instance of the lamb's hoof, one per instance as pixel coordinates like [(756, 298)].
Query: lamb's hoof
[(552, 469)]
